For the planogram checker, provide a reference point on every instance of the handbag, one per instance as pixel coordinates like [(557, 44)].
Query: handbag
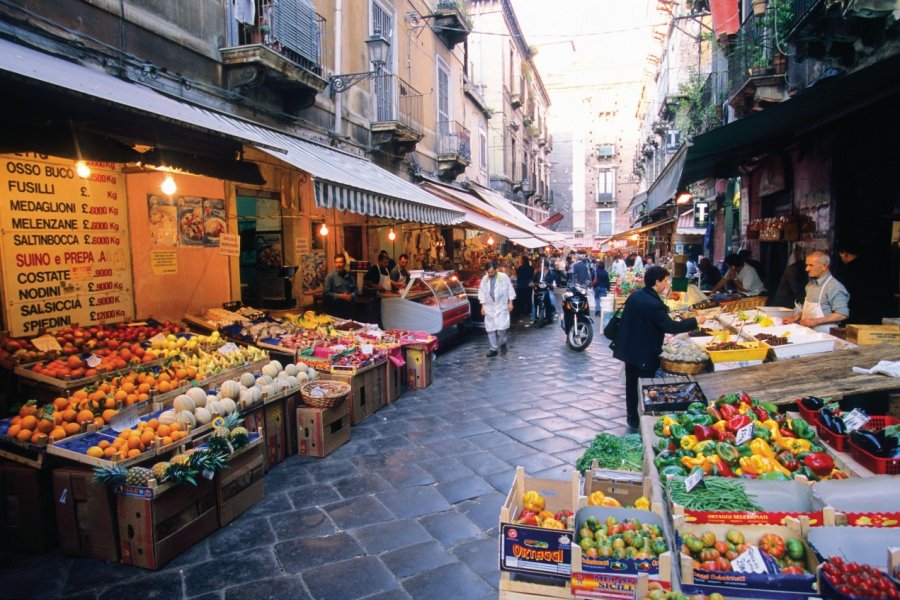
[(612, 327)]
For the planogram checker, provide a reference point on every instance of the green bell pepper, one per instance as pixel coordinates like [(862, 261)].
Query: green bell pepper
[(696, 408), (677, 432), (775, 476), (745, 450), (802, 429), (661, 445), (665, 459), (659, 428), (761, 433), (671, 470), (728, 453)]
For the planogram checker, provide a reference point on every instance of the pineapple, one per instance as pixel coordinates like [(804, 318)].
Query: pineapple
[(239, 437), (220, 441), (181, 471), (111, 475), (160, 471), (138, 476), (232, 421), (208, 462)]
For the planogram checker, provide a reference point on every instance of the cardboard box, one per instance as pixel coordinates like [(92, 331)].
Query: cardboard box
[(376, 380), (537, 550), (275, 432), (291, 404), (366, 392), (418, 368), (320, 431), (242, 484), (156, 524), (27, 517), (86, 514), (396, 382), (867, 335), (624, 486)]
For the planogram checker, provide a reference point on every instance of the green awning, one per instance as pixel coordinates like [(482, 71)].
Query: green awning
[(719, 152)]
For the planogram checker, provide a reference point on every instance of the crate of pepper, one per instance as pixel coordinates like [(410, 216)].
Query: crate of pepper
[(737, 436)]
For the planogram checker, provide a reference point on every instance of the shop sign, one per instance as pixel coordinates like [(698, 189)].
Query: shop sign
[(230, 244), (66, 257), (701, 214)]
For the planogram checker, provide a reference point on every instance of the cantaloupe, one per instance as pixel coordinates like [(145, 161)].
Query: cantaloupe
[(198, 395), (272, 369), (230, 389), (248, 380), (166, 417), (228, 405), (267, 390), (183, 402), (291, 369), (214, 406), (203, 416), (186, 419), (263, 380), (255, 394)]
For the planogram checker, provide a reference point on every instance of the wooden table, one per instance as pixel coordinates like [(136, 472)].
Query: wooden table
[(828, 374)]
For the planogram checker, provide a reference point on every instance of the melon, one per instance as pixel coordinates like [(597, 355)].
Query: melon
[(230, 389), (255, 394), (214, 406), (248, 380), (203, 416), (277, 386), (198, 395), (186, 419), (228, 405), (292, 381), (210, 398), (184, 403), (167, 417), (313, 374), (291, 369), (267, 390), (264, 380), (302, 378), (272, 369)]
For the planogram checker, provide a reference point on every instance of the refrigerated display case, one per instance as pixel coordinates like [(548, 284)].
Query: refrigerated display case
[(431, 302)]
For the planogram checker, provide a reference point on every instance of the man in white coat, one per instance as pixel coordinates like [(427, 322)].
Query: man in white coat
[(496, 295)]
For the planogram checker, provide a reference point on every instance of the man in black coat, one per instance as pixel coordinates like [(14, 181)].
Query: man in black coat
[(645, 321)]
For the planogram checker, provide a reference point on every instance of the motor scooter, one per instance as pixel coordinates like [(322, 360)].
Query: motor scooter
[(575, 318), (541, 303)]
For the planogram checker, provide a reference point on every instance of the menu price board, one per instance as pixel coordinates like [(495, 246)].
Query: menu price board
[(66, 256)]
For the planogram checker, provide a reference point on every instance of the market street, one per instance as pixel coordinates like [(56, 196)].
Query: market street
[(408, 508)]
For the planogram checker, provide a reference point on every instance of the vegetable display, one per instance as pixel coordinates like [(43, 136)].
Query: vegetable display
[(712, 554), (716, 494), (858, 581), (705, 437), (623, 453), (884, 443), (628, 539)]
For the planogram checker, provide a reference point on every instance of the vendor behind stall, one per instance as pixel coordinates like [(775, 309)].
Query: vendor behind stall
[(827, 301), (399, 274), (744, 277), (378, 277), (339, 289)]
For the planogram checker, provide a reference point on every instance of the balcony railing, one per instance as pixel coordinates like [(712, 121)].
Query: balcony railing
[(801, 10), (752, 55), (398, 101), (453, 140), (289, 29)]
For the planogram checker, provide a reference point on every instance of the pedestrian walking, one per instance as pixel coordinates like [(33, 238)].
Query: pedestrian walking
[(524, 275), (600, 284), (496, 295), (639, 340)]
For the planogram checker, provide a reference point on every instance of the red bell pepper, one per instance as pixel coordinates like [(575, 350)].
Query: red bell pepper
[(819, 463), (737, 422), (745, 397), (727, 411), (761, 413), (785, 432), (729, 437), (712, 411), (724, 470), (706, 432)]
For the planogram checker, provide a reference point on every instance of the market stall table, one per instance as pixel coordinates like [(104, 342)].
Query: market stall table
[(824, 375)]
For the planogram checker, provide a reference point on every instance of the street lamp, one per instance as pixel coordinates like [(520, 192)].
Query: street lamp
[(378, 48)]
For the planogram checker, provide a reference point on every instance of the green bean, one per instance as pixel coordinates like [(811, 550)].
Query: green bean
[(714, 494)]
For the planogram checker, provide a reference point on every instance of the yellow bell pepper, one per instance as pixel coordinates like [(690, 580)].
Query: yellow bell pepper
[(688, 442), (700, 461), (702, 446), (545, 514), (669, 421), (533, 501), (761, 448), (795, 445), (552, 523), (754, 465), (596, 498), (743, 407), (721, 426), (772, 426), (642, 503)]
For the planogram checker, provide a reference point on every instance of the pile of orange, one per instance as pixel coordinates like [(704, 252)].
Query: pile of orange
[(132, 442)]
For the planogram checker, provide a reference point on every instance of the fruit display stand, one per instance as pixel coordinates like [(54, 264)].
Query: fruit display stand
[(158, 523), (85, 514), (536, 560)]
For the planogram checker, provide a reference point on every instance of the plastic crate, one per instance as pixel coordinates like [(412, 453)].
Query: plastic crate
[(841, 442), (876, 464), (811, 416)]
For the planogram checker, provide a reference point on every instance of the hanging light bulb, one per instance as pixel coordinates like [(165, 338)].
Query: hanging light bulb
[(391, 235), (168, 185), (82, 170), (323, 230), (490, 240)]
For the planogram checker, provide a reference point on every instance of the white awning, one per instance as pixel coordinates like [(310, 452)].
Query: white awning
[(502, 205)]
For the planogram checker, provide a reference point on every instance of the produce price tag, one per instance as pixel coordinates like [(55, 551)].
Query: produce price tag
[(125, 419), (136, 324), (229, 348), (46, 343), (855, 419), (92, 361), (744, 434), (693, 480), (366, 349), (159, 337), (751, 561)]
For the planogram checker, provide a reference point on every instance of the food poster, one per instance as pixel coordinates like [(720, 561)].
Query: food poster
[(213, 221), (66, 255), (313, 269), (163, 218), (268, 250), (190, 221)]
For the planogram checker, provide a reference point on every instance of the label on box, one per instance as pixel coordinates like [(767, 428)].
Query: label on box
[(693, 480), (46, 343), (64, 495), (855, 419), (744, 434), (228, 349), (749, 518), (366, 349), (528, 549), (601, 585), (136, 324), (125, 419), (92, 361), (159, 337), (751, 561)]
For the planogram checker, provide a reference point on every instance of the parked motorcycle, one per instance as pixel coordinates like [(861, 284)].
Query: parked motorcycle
[(541, 299), (575, 318)]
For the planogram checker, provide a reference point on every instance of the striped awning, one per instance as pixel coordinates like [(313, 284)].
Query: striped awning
[(502, 205)]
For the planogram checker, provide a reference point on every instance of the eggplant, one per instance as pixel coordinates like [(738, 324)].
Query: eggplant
[(869, 442), (826, 416), (812, 403), (839, 426)]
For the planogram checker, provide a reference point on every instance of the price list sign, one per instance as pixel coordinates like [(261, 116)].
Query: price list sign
[(65, 247)]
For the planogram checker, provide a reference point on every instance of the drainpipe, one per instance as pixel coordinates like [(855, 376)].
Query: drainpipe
[(338, 23)]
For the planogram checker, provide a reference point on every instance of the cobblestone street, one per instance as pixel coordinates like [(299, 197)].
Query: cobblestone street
[(407, 509)]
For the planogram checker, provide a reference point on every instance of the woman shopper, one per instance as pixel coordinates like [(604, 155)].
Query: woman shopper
[(645, 320), (496, 295)]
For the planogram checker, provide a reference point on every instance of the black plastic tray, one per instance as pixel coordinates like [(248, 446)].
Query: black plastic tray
[(672, 397)]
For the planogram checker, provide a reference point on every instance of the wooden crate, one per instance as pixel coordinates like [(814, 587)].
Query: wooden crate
[(320, 431), (275, 432), (27, 518), (86, 514), (242, 484), (518, 587), (366, 392), (395, 382), (866, 335), (156, 524)]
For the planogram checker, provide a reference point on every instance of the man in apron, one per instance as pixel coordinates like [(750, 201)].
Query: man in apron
[(827, 300), (496, 294), (399, 274), (378, 278)]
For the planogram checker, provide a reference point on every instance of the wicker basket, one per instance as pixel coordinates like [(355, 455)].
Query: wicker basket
[(324, 394), (682, 368)]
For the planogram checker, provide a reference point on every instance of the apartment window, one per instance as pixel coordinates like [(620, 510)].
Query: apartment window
[(443, 97), (512, 67), (605, 221), (606, 185), (482, 146)]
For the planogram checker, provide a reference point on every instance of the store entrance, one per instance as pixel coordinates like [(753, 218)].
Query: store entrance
[(262, 248)]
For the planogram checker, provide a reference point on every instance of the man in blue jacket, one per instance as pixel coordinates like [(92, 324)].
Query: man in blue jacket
[(645, 321)]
